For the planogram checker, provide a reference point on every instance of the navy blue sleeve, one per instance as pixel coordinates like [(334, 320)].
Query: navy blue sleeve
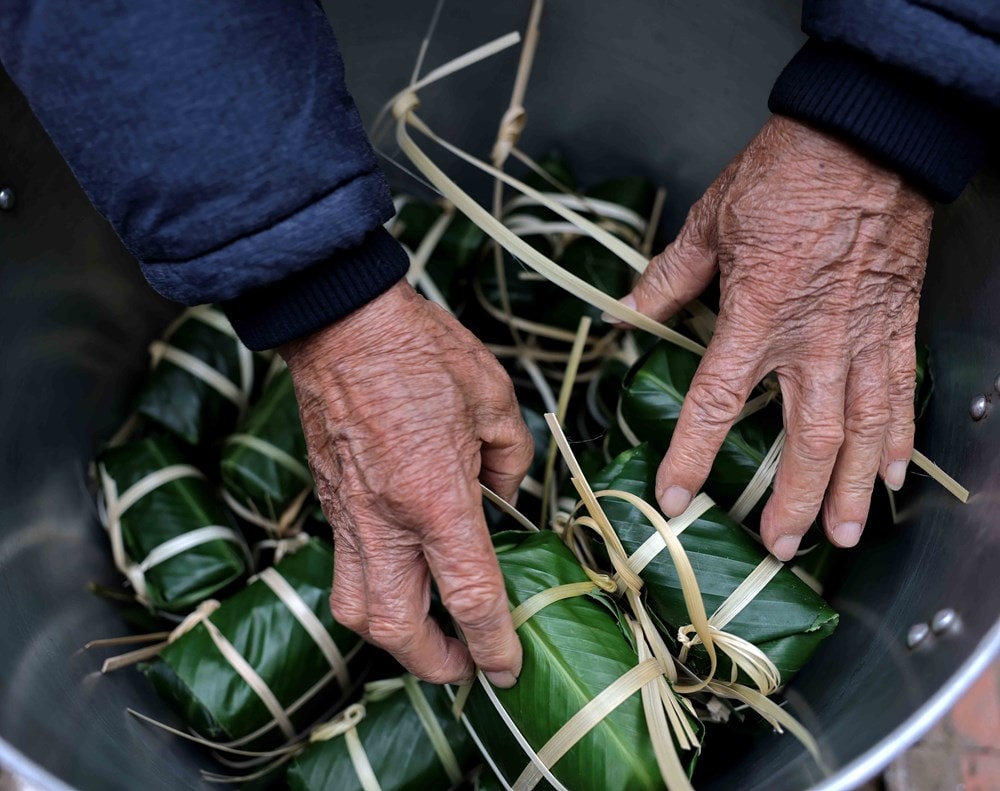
[(221, 142), (915, 83)]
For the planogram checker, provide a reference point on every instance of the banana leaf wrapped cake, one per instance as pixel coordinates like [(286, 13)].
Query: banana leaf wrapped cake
[(782, 617), (265, 475), (575, 648), (202, 377), (263, 666), (402, 734), (171, 536)]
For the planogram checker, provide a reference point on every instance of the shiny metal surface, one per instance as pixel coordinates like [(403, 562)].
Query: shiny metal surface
[(637, 86)]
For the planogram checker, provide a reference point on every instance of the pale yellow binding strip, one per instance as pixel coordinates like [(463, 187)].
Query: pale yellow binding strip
[(275, 454), (507, 508), (515, 245), (151, 483), (602, 208), (160, 350), (116, 505), (250, 676), (746, 591), (533, 758), (762, 477), (939, 475), (429, 243), (433, 729), (535, 604), (213, 318), (359, 759), (773, 713), (565, 391), (201, 612), (193, 538), (655, 544), (665, 715), (308, 620), (287, 525), (581, 723), (625, 428), (745, 655)]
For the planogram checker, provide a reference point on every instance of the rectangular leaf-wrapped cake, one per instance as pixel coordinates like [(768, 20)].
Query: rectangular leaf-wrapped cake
[(403, 734), (263, 666), (170, 534)]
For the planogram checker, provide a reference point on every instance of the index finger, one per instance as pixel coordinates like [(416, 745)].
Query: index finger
[(399, 621), (725, 377), (461, 558)]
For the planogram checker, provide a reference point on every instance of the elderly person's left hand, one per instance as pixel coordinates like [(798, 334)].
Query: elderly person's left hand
[(822, 255)]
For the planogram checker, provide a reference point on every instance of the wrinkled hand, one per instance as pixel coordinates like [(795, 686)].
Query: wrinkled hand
[(821, 254), (405, 412)]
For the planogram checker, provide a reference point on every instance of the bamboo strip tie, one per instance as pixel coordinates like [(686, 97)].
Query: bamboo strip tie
[(115, 507), (307, 619)]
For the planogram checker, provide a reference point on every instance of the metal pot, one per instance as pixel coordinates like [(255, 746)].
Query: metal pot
[(671, 89)]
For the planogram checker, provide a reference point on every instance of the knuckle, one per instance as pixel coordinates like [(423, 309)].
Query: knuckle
[(902, 387), (818, 441), (476, 605), (715, 400), (347, 613), (857, 487), (437, 674), (868, 419), (391, 634)]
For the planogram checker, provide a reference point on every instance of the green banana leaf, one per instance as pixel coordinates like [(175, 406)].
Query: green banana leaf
[(264, 467), (651, 401), (174, 398), (787, 620), (171, 510), (201, 685), (459, 246), (396, 743), (573, 650)]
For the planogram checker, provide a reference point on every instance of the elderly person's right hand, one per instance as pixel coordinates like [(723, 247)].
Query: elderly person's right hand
[(405, 412)]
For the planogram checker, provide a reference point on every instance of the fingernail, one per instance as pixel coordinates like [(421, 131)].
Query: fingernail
[(785, 547), (895, 474), (846, 534), (628, 301), (675, 501), (501, 678)]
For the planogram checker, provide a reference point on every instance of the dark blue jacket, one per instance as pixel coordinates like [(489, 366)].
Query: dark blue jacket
[(219, 139)]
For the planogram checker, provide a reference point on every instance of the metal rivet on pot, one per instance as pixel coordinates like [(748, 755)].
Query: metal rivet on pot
[(6, 198), (944, 620), (917, 634), (978, 407), (996, 383)]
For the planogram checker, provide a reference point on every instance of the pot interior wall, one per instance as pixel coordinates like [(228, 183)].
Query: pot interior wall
[(669, 89)]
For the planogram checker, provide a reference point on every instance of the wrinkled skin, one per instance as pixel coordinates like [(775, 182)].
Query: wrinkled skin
[(821, 254), (405, 412)]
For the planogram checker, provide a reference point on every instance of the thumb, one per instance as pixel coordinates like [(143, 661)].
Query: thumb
[(678, 274)]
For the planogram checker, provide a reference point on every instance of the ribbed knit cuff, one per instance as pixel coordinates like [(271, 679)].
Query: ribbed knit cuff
[(929, 135), (315, 297)]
